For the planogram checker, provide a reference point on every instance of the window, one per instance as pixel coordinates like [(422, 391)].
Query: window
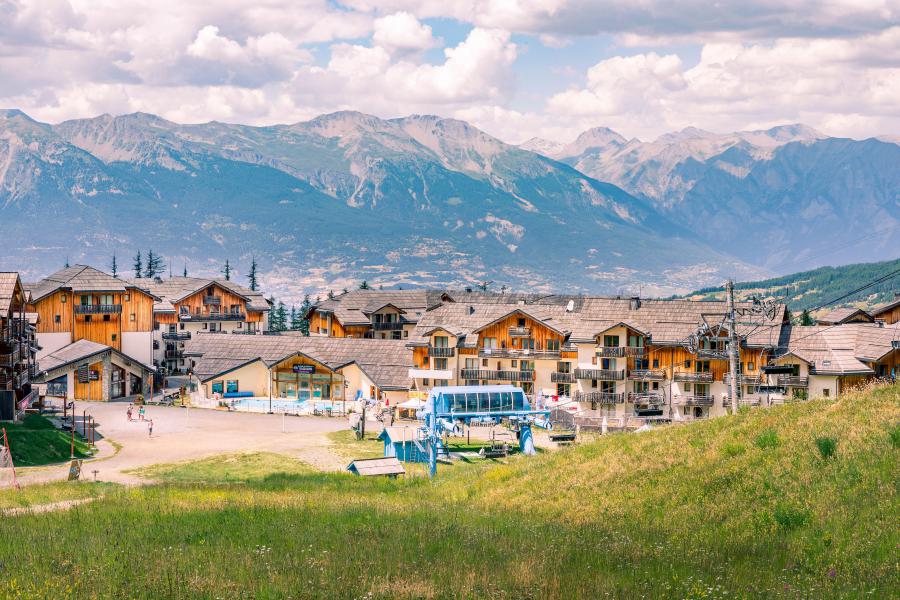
[(405, 333), (106, 317), (218, 387), (655, 363), (563, 389), (489, 343), (563, 367), (641, 363), (231, 386), (205, 325), (526, 365), (608, 387), (553, 345), (127, 297), (636, 341), (57, 319), (114, 337), (131, 317), (484, 362), (593, 383), (85, 299), (471, 363), (440, 363), (425, 381), (751, 366), (181, 326), (87, 318), (521, 322), (106, 299), (702, 366), (608, 364), (610, 340), (701, 389), (826, 392), (514, 363), (655, 385), (62, 298), (240, 325), (641, 386), (687, 364), (687, 387)]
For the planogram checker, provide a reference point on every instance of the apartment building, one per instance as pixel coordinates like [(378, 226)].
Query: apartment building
[(889, 312), (95, 334), (614, 355), (18, 348), (377, 314), (186, 306)]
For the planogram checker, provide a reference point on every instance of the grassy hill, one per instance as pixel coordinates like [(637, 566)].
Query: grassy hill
[(797, 501), (811, 288)]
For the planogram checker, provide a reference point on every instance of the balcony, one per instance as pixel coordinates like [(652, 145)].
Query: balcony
[(431, 374), (652, 398), (600, 374), (793, 381), (519, 353), (557, 377), (98, 309), (646, 374), (387, 325), (742, 379), (441, 351), (482, 374), (213, 316), (520, 332), (178, 336), (217, 300), (695, 400), (174, 354), (618, 351), (694, 377), (600, 397)]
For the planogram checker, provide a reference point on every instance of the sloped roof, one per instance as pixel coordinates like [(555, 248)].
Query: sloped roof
[(887, 306), (354, 307), (80, 351), (386, 362), (841, 315), (369, 467), (8, 282), (840, 349), (78, 278), (174, 289)]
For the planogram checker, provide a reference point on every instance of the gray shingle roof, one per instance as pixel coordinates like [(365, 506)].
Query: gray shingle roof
[(174, 289), (839, 315), (840, 349), (8, 282), (76, 352), (386, 362), (354, 307), (78, 278)]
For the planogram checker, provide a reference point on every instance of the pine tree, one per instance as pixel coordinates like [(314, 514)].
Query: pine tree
[(138, 266), (114, 268), (304, 312), (252, 275), (330, 295), (185, 270), (295, 319), (364, 285), (67, 262), (281, 318), (227, 270), (155, 265), (788, 316), (805, 318)]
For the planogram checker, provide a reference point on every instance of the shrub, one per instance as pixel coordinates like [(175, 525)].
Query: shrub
[(827, 446), (789, 518), (895, 436), (767, 439), (732, 450)]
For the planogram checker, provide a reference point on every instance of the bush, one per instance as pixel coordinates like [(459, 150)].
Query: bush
[(789, 518), (895, 436), (827, 446), (767, 439), (732, 450)]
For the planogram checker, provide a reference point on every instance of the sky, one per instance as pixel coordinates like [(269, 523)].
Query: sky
[(515, 68)]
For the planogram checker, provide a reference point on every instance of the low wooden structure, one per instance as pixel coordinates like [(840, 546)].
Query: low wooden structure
[(374, 467)]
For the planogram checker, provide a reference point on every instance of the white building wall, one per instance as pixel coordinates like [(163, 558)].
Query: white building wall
[(51, 342), (138, 345)]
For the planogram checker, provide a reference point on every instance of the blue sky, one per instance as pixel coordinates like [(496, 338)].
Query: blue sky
[(516, 68)]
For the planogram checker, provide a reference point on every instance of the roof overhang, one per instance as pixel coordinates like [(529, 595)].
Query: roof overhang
[(524, 313)]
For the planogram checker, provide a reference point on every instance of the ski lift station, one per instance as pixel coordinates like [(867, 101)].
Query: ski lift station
[(449, 409)]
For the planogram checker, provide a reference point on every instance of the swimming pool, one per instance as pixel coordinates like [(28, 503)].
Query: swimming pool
[(291, 407)]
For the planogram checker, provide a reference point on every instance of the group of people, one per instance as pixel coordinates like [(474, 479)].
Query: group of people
[(142, 413)]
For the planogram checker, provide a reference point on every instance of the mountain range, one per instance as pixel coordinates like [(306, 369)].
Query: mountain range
[(423, 200)]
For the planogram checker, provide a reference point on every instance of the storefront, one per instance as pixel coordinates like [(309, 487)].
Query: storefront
[(302, 378)]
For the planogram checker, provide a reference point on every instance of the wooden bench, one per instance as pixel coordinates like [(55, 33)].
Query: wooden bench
[(563, 437)]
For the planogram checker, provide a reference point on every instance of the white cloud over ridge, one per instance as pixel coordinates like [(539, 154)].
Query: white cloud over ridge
[(834, 64)]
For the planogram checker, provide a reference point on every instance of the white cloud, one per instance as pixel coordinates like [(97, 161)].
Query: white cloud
[(402, 32)]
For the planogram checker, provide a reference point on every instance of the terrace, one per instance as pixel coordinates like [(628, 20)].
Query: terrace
[(646, 398), (646, 374), (600, 397), (619, 351), (693, 377), (488, 375), (557, 377), (519, 353), (98, 309), (387, 325), (176, 335), (695, 400), (213, 316), (520, 332), (600, 374), (441, 351), (793, 381)]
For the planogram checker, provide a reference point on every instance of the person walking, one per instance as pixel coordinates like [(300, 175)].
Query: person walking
[(141, 413), (150, 428), (129, 411)]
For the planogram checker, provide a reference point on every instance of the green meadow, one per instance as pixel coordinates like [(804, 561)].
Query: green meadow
[(798, 501)]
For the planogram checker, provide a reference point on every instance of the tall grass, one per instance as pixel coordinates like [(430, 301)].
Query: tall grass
[(676, 513)]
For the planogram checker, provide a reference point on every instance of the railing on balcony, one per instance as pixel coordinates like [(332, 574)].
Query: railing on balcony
[(694, 377), (176, 335), (97, 309), (695, 400), (174, 354), (793, 381), (212, 300), (600, 397), (519, 353), (647, 374), (387, 325), (742, 379), (520, 332), (213, 316), (483, 374), (653, 398), (601, 374), (557, 377), (441, 351)]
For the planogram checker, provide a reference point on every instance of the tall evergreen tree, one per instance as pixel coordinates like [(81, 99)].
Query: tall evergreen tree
[(304, 312), (226, 271), (155, 265), (114, 268), (67, 262), (185, 270), (295, 319), (806, 318), (252, 275), (138, 266), (364, 285), (330, 295), (281, 318)]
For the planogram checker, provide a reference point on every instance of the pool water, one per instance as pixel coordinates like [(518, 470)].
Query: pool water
[(286, 406)]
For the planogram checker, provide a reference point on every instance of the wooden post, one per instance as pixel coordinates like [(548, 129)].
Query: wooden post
[(73, 428)]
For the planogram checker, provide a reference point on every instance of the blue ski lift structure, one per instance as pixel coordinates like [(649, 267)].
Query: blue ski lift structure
[(449, 408)]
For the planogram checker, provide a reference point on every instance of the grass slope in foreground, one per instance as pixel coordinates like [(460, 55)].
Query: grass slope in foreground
[(35, 441), (743, 506)]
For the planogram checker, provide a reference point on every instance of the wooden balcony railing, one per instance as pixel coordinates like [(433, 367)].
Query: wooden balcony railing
[(695, 400), (694, 377), (520, 332), (519, 353), (647, 374), (98, 309), (212, 300), (557, 377), (387, 325), (213, 316), (511, 375), (793, 381), (614, 351), (742, 379), (441, 351), (653, 398), (601, 374), (600, 397), (176, 335)]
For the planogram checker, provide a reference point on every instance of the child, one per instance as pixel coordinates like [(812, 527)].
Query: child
[(150, 429), (141, 413), (128, 412)]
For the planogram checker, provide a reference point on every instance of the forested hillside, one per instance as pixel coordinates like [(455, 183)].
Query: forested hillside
[(810, 289)]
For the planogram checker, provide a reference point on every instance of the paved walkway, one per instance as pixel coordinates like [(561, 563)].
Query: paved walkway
[(180, 434)]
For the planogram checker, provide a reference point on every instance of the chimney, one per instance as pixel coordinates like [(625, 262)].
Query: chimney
[(634, 303), (468, 290), (471, 310)]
